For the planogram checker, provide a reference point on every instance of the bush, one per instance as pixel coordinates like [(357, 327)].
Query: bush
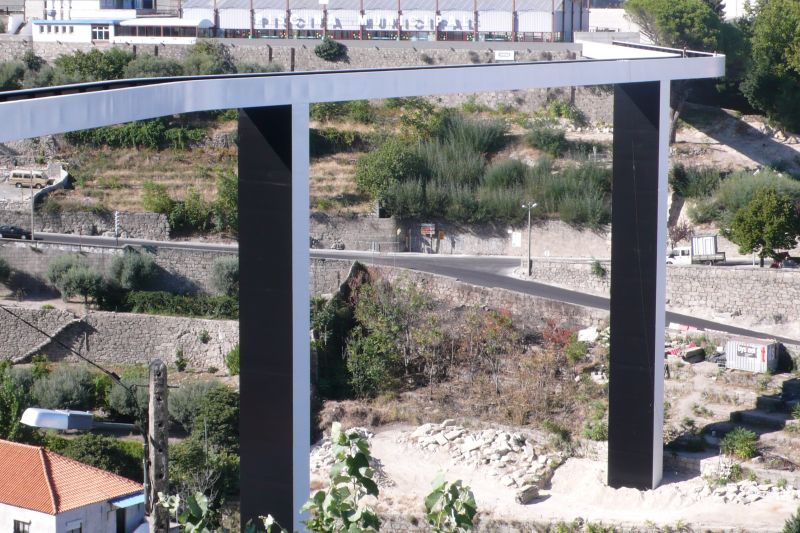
[(452, 161), (186, 402), (155, 198), (548, 138), (66, 387), (191, 214), (130, 406), (191, 461), (327, 141), (225, 275), (371, 362), (575, 350), (481, 135), (11, 74), (330, 50), (218, 418), (208, 57), (5, 271), (106, 453), (226, 207), (254, 68), (133, 270), (58, 267), (40, 366), (792, 525), (232, 361), (694, 182), (95, 65), (149, 66), (595, 430), (165, 303), (505, 173), (152, 134), (377, 171), (739, 443), (180, 361)]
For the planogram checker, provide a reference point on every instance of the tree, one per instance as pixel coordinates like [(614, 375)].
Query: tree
[(688, 24), (95, 65), (330, 50), (225, 275), (394, 161), (717, 6), (72, 277), (769, 222), (148, 66), (207, 57), (133, 270), (106, 453), (14, 399), (218, 419), (772, 82)]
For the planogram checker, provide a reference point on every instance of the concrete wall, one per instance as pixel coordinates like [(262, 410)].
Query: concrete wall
[(180, 270), (353, 233), (117, 338), (151, 226)]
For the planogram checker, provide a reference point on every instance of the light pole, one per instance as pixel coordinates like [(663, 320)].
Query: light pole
[(529, 206)]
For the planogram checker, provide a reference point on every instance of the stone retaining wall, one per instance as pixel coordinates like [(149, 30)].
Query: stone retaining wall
[(117, 338), (179, 270), (150, 226)]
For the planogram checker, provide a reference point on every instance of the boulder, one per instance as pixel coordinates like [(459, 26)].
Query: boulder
[(527, 494)]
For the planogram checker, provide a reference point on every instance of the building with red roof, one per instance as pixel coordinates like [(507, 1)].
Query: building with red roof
[(43, 492)]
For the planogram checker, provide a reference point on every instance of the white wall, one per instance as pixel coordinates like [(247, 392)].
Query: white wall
[(610, 19), (81, 33), (40, 522), (97, 517)]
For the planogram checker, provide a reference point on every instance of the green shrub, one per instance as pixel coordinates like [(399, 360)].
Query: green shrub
[(379, 170), (101, 388), (792, 524), (165, 303), (41, 366), (232, 361), (739, 443), (11, 75), (226, 206), (361, 111), (133, 270), (5, 271), (548, 138), (595, 430), (330, 50), (191, 214), (153, 134), (500, 205), (95, 65), (225, 275), (796, 412), (451, 161), (598, 270), (575, 350), (505, 173), (694, 182), (130, 406), (557, 429), (245, 68), (66, 387), (485, 136), (14, 399), (186, 402), (208, 57), (155, 198), (371, 362), (58, 267), (218, 419), (327, 141), (191, 459), (106, 453), (149, 66), (180, 361), (326, 111)]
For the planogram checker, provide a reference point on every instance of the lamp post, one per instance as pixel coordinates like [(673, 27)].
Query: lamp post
[(529, 206)]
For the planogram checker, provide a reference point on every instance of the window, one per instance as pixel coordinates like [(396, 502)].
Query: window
[(63, 29), (56, 29), (22, 527), (78, 529), (71, 29), (41, 28), (100, 33), (49, 29)]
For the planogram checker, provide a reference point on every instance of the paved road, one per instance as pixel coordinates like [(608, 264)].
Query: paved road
[(485, 271), (491, 272)]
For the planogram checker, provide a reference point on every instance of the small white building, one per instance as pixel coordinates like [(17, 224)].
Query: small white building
[(43, 492)]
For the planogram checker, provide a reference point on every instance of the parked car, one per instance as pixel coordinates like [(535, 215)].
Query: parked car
[(14, 232), (28, 178)]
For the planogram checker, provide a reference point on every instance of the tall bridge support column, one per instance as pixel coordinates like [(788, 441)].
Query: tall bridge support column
[(639, 237), (274, 427)]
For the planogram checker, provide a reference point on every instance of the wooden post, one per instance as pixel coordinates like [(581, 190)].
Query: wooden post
[(157, 435)]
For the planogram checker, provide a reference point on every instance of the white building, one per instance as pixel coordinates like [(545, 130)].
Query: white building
[(43, 492), (425, 20)]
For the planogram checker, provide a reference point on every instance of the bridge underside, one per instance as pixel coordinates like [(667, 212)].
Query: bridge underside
[(271, 446)]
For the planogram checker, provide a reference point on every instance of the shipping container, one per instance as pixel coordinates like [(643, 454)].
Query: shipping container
[(704, 244), (753, 355)]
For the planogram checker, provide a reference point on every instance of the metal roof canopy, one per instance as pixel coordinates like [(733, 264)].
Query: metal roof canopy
[(274, 193)]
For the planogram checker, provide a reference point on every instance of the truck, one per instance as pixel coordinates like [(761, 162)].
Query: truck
[(702, 251)]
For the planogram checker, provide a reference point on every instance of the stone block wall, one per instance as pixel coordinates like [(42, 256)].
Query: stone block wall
[(354, 233), (117, 338), (150, 226), (179, 270)]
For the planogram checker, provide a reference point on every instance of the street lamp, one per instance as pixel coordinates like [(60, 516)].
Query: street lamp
[(529, 206)]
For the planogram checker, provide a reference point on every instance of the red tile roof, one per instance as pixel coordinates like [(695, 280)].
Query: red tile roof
[(38, 479)]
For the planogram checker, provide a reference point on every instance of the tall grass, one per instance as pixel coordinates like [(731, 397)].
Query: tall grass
[(483, 136), (505, 173), (452, 161), (694, 182)]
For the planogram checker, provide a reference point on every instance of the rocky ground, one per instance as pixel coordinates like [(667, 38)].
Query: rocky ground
[(519, 481)]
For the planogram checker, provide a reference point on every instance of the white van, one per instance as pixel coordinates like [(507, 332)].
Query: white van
[(680, 256)]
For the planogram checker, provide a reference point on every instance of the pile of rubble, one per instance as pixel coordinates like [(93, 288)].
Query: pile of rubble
[(322, 459), (519, 463), (746, 492)]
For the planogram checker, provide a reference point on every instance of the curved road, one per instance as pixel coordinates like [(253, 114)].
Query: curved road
[(491, 272), (485, 271)]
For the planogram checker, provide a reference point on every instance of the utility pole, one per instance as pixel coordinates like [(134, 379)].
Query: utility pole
[(157, 457), (529, 206), (32, 239)]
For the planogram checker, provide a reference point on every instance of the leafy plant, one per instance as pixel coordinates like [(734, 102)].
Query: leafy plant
[(598, 270), (41, 366), (186, 403), (232, 361), (575, 350), (180, 361), (796, 412), (156, 199), (450, 507), (547, 138), (67, 387), (204, 336), (338, 508), (769, 222), (739, 443), (195, 517), (225, 275), (133, 270), (330, 50)]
